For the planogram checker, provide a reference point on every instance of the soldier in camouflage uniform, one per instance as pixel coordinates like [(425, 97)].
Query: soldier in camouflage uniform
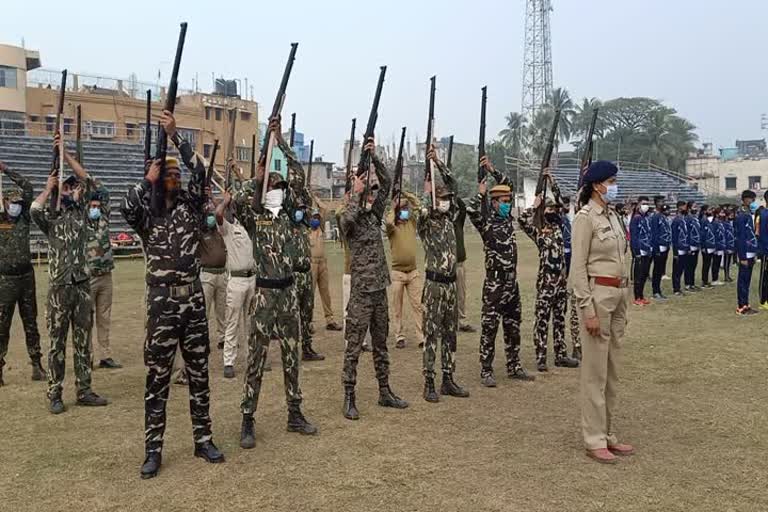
[(69, 292), (100, 264), (441, 315), (501, 294), (17, 277), (274, 310), (573, 315), (551, 284), (367, 308), (176, 315), (302, 272)]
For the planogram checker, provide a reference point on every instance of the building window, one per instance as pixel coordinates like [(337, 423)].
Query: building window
[(328, 173), (8, 77), (189, 135), (730, 183), (102, 129), (50, 121), (130, 130), (207, 113), (245, 116), (68, 123), (278, 164), (231, 115), (218, 114), (243, 154), (754, 183), (207, 150), (34, 119)]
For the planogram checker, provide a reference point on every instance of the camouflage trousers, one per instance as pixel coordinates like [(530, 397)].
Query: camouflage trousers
[(273, 316), (551, 301), (176, 322), (366, 310), (21, 290), (501, 302), (441, 319), (305, 296), (69, 305), (574, 321)]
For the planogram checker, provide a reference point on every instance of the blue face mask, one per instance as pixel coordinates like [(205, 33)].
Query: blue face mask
[(314, 223), (298, 215), (754, 206), (94, 213), (611, 193), (405, 215), (504, 209), (210, 221)]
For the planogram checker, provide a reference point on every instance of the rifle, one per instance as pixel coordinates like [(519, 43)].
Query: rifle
[(586, 157), (158, 188), (397, 188), (79, 133), (211, 164), (348, 181), (309, 166), (428, 174), (293, 130), (541, 186), (230, 148), (61, 164), (269, 137), (450, 152), (148, 128), (365, 158), (253, 156), (57, 164), (481, 143)]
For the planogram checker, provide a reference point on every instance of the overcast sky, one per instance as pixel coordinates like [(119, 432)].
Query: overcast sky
[(702, 57)]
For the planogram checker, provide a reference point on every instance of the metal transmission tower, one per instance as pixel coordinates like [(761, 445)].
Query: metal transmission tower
[(537, 62)]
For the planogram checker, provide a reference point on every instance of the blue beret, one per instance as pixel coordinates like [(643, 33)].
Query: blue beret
[(600, 171)]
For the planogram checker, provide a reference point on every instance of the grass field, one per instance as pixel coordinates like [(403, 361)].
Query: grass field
[(693, 401)]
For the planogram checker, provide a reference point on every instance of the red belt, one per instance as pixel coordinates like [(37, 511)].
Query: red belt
[(613, 282)]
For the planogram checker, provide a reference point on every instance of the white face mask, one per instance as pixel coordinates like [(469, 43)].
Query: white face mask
[(443, 206), (274, 198), (14, 209), (644, 208)]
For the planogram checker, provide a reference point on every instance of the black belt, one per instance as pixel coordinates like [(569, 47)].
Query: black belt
[(276, 284), (441, 278), (177, 292), (242, 273), (500, 274), (16, 270), (302, 270), (215, 270)]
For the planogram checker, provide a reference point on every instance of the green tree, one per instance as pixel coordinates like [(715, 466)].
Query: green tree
[(560, 99), (512, 137)]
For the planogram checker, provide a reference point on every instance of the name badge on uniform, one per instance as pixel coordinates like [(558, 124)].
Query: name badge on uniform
[(263, 222), (6, 226)]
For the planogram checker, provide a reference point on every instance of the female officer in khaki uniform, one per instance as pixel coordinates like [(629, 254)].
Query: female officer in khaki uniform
[(599, 279)]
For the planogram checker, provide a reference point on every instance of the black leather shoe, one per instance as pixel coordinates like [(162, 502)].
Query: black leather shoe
[(576, 354), (450, 388), (247, 435), (388, 399), (333, 326), (467, 328), (350, 409), (430, 395), (151, 465), (542, 366), (91, 399), (521, 374), (109, 364), (56, 406), (38, 372), (220, 345), (566, 362), (298, 423), (209, 452), (309, 354), (229, 372)]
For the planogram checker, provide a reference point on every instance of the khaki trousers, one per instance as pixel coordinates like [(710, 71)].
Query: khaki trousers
[(240, 292), (600, 366), (215, 291), (320, 280), (461, 292), (411, 284), (101, 294)]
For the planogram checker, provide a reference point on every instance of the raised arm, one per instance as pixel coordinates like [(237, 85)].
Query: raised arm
[(385, 184), (526, 223), (23, 183), (39, 213)]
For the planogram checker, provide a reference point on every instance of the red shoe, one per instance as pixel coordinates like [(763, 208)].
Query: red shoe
[(638, 302), (646, 301), (621, 449), (602, 455)]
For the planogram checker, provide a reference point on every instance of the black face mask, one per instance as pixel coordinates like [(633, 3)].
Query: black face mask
[(553, 218), (67, 201)]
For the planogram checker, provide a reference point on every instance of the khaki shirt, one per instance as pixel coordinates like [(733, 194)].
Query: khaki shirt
[(317, 236), (239, 246), (599, 249), (402, 236)]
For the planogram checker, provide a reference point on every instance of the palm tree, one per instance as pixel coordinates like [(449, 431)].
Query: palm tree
[(657, 133), (512, 135), (559, 99)]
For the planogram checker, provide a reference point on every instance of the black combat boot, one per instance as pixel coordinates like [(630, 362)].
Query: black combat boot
[(298, 423), (542, 366), (309, 354), (56, 406), (91, 399), (350, 409), (429, 391), (2, 383), (388, 399), (209, 452), (247, 435), (520, 374), (487, 379), (450, 388), (576, 353), (151, 465), (38, 372), (564, 361)]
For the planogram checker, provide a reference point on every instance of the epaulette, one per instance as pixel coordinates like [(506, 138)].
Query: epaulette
[(584, 209)]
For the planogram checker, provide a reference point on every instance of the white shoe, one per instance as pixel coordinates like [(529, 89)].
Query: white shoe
[(665, 278), (717, 283)]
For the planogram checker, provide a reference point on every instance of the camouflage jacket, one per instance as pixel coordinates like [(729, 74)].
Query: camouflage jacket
[(15, 256), (170, 242), (437, 233), (549, 239), (362, 231), (99, 246), (272, 236), (300, 246), (497, 233), (67, 233)]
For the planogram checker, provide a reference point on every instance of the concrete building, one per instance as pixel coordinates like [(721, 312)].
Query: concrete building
[(115, 109), (715, 176)]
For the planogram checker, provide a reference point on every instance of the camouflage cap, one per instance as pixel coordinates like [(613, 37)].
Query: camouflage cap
[(550, 203), (172, 163), (315, 212), (72, 181), (276, 180), (500, 191), (441, 191), (13, 196)]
